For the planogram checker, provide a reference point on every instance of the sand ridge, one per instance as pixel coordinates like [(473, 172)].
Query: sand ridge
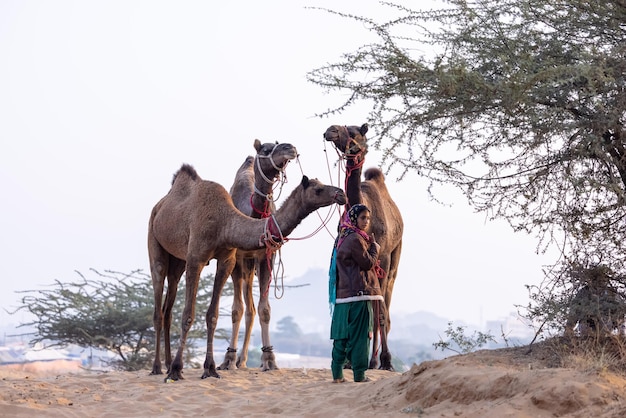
[(488, 383)]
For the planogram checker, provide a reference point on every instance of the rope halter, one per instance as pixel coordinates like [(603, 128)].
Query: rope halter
[(269, 197), (280, 170), (270, 241)]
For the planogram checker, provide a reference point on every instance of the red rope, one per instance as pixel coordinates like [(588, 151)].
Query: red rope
[(380, 273), (358, 164), (271, 246), (266, 212)]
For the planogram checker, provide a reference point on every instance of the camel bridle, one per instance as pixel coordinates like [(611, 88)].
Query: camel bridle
[(270, 241), (281, 175), (348, 152), (281, 170)]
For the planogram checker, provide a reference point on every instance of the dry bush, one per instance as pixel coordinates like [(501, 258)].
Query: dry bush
[(594, 354)]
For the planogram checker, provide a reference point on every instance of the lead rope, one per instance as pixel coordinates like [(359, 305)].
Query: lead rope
[(271, 247), (332, 209)]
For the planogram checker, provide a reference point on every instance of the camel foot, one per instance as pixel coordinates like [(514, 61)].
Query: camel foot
[(347, 365), (156, 370), (230, 359), (242, 362), (373, 364), (209, 368), (268, 360), (385, 362), (210, 373), (270, 365), (173, 377)]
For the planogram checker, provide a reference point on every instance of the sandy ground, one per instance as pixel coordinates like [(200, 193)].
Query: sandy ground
[(488, 383)]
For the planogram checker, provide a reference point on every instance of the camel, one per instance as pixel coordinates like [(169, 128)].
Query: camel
[(252, 193), (197, 222), (386, 223), (272, 159)]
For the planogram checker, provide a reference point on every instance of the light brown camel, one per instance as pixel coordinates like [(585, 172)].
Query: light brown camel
[(272, 159), (253, 194), (386, 223), (197, 222)]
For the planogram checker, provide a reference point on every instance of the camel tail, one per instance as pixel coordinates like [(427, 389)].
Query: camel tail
[(374, 174), (187, 170)]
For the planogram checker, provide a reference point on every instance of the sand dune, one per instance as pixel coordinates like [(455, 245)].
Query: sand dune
[(488, 383)]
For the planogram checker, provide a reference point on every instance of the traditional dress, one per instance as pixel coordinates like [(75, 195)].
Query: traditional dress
[(353, 285)]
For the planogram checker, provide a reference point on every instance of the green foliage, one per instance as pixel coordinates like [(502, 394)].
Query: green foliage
[(288, 327), (460, 343), (587, 294), (519, 104), (112, 311), (254, 357)]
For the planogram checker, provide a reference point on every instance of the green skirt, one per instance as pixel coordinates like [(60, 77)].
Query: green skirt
[(344, 314)]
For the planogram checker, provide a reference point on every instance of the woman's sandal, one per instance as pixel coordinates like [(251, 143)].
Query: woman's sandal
[(339, 380)]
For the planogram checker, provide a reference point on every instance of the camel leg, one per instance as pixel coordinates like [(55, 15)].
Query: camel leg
[(377, 331), (158, 269), (248, 296), (379, 315), (230, 358), (268, 360), (157, 320), (192, 278), (387, 288), (385, 355), (175, 271), (224, 269)]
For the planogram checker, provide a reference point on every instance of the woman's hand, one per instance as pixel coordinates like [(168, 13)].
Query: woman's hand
[(373, 241)]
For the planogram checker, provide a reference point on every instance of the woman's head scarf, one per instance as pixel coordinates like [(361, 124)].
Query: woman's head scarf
[(349, 223), (355, 211)]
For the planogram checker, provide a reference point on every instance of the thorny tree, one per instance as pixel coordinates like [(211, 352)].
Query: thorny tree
[(520, 104), (111, 312)]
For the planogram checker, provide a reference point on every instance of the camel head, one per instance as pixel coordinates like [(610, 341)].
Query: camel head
[(272, 158), (318, 195), (349, 140)]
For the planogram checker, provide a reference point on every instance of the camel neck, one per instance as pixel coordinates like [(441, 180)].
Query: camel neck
[(354, 167), (262, 199)]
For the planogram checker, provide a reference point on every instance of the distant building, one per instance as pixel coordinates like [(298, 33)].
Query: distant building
[(514, 328), (37, 359)]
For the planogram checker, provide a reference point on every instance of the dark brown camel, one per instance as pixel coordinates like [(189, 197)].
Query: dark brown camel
[(197, 222), (386, 222), (253, 194), (272, 158)]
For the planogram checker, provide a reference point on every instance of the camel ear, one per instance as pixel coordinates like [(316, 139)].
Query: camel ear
[(257, 145), (305, 182), (364, 129)]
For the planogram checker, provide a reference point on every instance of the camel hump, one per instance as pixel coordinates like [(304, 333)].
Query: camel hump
[(186, 170), (374, 174), (247, 163), (246, 171)]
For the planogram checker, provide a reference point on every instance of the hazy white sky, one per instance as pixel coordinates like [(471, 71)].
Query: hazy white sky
[(102, 101)]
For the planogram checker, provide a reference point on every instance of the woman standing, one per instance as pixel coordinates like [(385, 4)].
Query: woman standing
[(353, 286)]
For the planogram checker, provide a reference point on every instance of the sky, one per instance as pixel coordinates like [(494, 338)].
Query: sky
[(101, 103)]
